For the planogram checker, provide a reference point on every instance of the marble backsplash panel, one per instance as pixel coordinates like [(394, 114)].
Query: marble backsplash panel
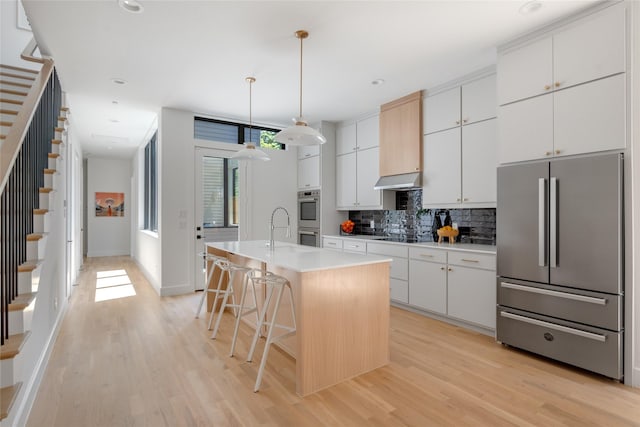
[(476, 225)]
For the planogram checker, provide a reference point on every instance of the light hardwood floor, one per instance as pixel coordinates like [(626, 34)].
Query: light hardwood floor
[(146, 361)]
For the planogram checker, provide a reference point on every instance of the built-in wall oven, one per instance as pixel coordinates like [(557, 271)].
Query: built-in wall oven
[(309, 209), (309, 237), (309, 218)]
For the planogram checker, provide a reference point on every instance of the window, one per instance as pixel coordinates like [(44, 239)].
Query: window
[(235, 133), (151, 185), (220, 192)]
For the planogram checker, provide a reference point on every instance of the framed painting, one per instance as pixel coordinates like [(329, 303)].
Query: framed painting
[(109, 204)]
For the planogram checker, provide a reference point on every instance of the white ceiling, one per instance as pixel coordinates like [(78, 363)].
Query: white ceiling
[(195, 55)]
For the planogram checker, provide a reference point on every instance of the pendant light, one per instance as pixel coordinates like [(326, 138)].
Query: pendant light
[(300, 133), (250, 152)]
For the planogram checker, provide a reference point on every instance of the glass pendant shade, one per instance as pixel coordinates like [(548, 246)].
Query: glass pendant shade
[(250, 152), (300, 133)]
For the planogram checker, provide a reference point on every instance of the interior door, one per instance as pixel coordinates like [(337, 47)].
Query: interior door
[(522, 222), (588, 211), (217, 203)]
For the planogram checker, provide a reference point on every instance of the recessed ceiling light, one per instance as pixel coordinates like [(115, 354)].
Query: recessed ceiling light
[(119, 81), (114, 102), (114, 120), (530, 7), (131, 6), (377, 82)]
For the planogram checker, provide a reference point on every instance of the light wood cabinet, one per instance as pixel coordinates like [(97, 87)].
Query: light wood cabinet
[(309, 173), (588, 49), (401, 135), (583, 119)]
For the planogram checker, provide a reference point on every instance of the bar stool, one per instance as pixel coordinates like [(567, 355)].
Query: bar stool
[(242, 310), (271, 282), (207, 277), (230, 269)]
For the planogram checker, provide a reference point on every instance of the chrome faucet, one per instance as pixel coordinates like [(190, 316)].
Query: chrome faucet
[(273, 227)]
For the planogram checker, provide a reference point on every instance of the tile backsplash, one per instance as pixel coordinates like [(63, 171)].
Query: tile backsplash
[(476, 225)]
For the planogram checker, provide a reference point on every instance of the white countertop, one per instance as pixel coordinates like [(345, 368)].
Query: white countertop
[(297, 258), (463, 247)]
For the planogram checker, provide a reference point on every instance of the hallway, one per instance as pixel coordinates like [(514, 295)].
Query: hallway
[(126, 357)]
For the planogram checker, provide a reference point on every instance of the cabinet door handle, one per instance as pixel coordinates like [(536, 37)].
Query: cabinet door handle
[(307, 155), (307, 185), (547, 87), (457, 200), (450, 269), (469, 260), (442, 268), (558, 151), (557, 84), (547, 153), (457, 122), (465, 120), (465, 199)]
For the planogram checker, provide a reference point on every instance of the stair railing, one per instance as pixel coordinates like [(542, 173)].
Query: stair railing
[(23, 158)]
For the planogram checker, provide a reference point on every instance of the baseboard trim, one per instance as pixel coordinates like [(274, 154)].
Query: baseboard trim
[(168, 291), (33, 383), (123, 252), (635, 378)]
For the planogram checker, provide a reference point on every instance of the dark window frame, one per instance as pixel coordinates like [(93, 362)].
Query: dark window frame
[(240, 126), (151, 184)]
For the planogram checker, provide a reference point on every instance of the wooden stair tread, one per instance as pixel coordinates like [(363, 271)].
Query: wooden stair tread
[(9, 112), (3, 136), (28, 266), (13, 67), (58, 129), (17, 76), (40, 211), (11, 101), (49, 171), (13, 345), (6, 123), (34, 237), (22, 301), (62, 119), (7, 398), (64, 109), (45, 190), (56, 141), (6, 82), (53, 155), (13, 92)]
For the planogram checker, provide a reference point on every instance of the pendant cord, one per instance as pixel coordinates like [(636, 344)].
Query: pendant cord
[(300, 78), (250, 117)]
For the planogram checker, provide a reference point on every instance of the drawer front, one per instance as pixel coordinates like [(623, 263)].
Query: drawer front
[(470, 259), (399, 269), (427, 254), (591, 308), (354, 246), (396, 251), (399, 290), (593, 349), (331, 243)]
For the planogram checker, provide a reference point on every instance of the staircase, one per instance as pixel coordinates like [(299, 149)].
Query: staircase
[(32, 139)]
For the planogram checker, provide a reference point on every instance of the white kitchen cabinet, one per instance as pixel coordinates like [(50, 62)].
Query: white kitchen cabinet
[(460, 166), (346, 181), (479, 162), (442, 111), (346, 140), (355, 246), (399, 290), (470, 103), (332, 243), (582, 119), (306, 151), (471, 295), (428, 285), (399, 270), (441, 176), (367, 176), (309, 173), (368, 133), (588, 49)]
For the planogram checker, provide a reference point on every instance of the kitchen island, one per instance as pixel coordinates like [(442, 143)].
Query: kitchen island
[(342, 307)]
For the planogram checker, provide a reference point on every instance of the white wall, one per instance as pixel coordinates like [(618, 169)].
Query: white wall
[(168, 258), (108, 236), (14, 39)]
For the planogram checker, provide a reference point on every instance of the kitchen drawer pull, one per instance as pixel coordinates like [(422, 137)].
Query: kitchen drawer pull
[(565, 295), (332, 244), (308, 233), (572, 331), (469, 260), (426, 255)]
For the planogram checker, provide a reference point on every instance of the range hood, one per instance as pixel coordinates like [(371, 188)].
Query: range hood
[(403, 181)]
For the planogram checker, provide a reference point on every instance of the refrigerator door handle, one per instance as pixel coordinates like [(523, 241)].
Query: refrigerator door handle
[(553, 222), (542, 229)]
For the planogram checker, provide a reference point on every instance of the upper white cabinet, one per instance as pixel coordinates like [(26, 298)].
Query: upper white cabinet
[(460, 161), (309, 173), (462, 105), (579, 106), (357, 165), (307, 151), (588, 49)]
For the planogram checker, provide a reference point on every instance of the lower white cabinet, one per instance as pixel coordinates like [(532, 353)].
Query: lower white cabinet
[(399, 290), (399, 270), (471, 295), (332, 243), (428, 285)]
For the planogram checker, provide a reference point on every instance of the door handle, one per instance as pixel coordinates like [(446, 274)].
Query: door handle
[(553, 222), (198, 236), (542, 240)]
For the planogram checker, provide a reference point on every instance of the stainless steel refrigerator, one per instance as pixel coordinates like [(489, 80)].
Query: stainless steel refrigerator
[(560, 245)]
